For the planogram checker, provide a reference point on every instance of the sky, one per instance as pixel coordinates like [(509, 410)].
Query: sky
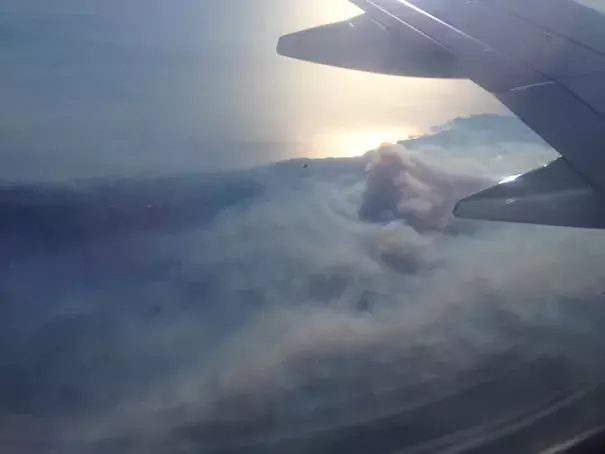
[(95, 89)]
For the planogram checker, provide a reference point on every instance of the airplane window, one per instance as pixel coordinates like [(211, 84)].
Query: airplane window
[(301, 226)]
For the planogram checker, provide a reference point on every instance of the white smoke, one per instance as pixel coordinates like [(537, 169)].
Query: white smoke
[(345, 283)]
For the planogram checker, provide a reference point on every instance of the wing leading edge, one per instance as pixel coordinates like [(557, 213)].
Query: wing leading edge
[(546, 71)]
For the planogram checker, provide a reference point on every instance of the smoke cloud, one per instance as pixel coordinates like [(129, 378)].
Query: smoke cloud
[(340, 302)]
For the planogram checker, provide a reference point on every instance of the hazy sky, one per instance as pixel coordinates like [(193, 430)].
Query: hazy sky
[(146, 87)]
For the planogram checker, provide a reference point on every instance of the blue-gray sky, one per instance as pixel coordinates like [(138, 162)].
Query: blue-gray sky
[(149, 87)]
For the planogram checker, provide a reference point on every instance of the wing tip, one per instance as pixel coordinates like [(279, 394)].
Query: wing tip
[(283, 46)]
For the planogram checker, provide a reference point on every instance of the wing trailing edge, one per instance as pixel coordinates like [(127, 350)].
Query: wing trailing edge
[(552, 195)]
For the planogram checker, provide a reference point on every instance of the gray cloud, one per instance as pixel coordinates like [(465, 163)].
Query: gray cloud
[(342, 295)]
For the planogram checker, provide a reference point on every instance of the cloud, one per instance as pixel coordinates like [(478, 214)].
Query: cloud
[(340, 295), (400, 185)]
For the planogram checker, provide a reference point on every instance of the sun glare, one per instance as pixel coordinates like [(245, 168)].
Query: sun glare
[(333, 11), (343, 144)]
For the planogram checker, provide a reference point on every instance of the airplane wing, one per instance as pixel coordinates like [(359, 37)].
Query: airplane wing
[(543, 59)]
